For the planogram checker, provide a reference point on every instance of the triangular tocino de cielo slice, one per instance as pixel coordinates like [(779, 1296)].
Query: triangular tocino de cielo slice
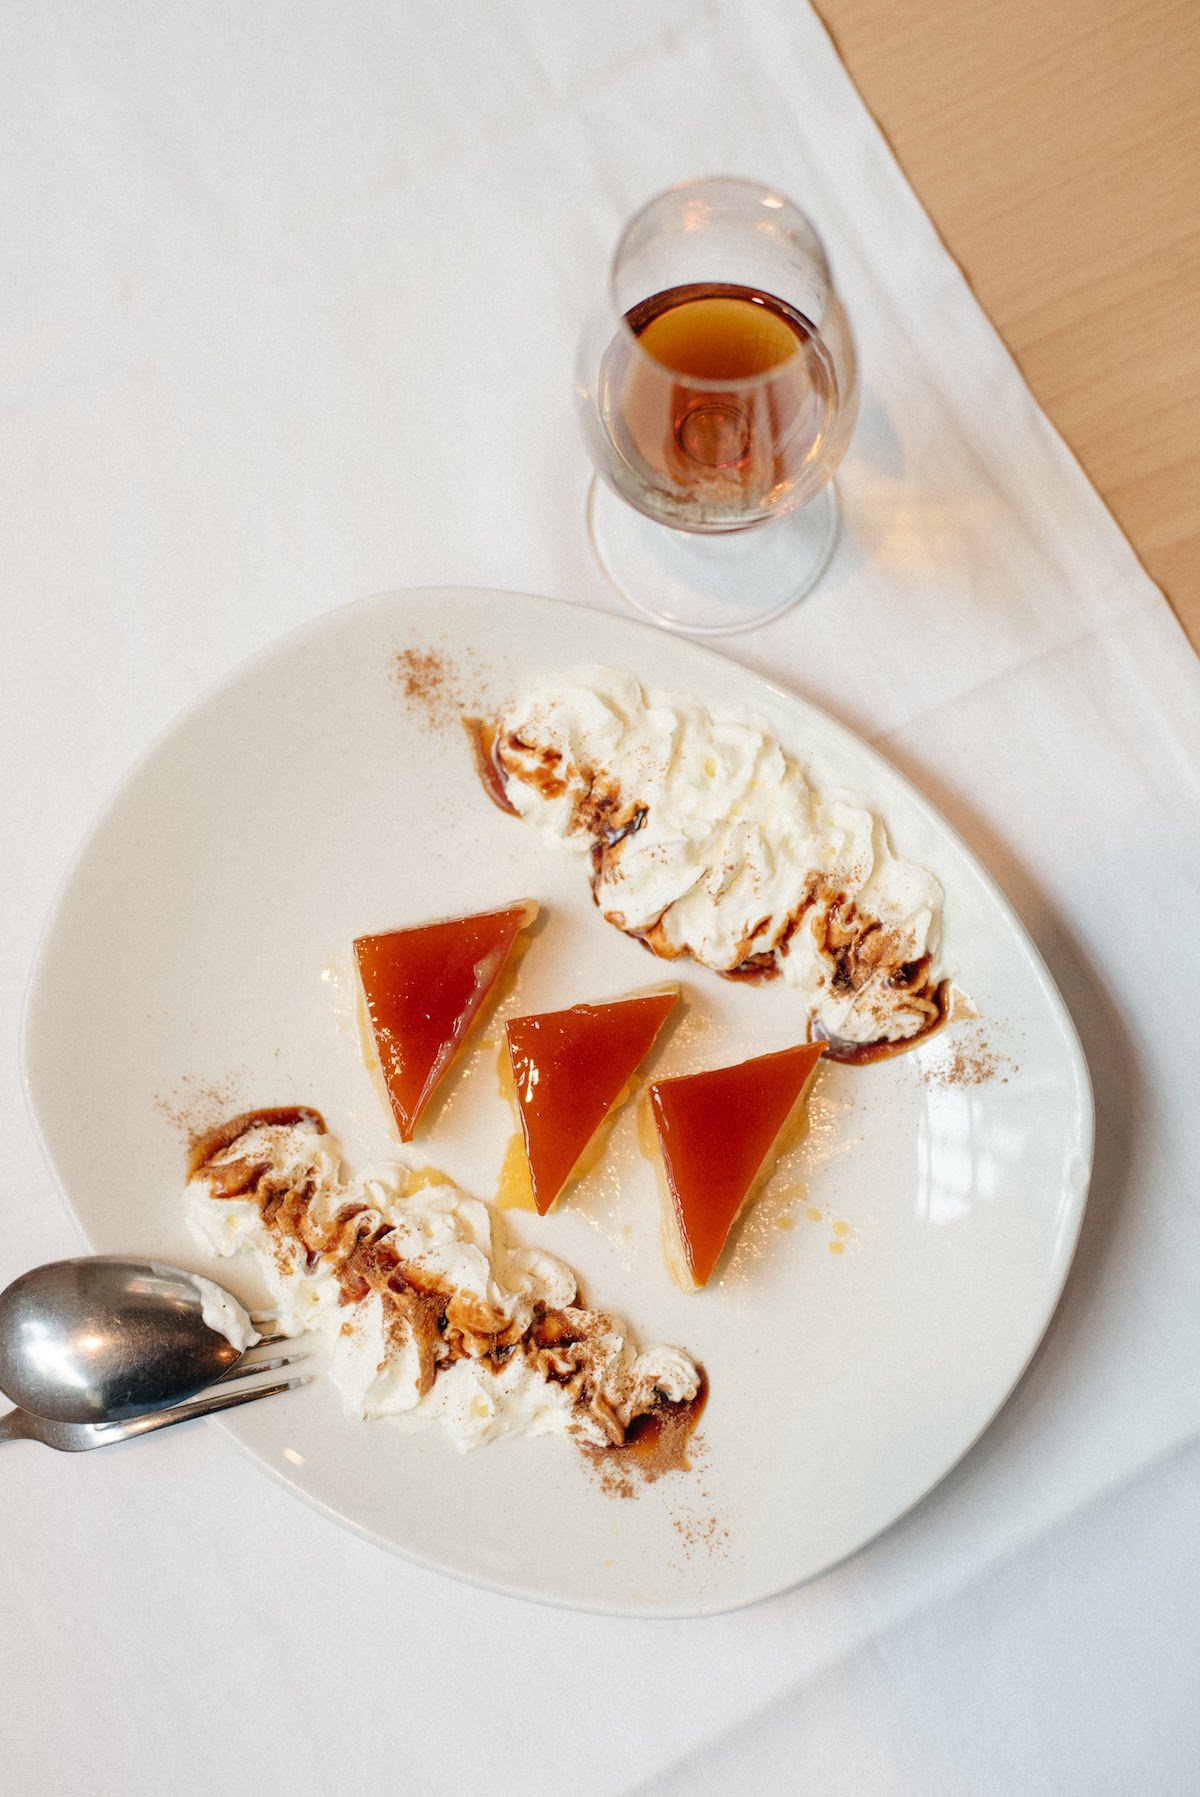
[(570, 1071), (715, 1137), (423, 989)]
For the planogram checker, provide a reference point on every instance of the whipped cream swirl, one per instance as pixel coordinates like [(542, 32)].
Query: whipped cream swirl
[(706, 838), (428, 1311), (223, 1314)]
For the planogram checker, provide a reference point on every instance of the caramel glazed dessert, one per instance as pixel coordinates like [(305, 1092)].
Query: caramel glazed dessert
[(428, 1311), (706, 839)]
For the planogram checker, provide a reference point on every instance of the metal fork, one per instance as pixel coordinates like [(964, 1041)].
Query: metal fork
[(76, 1438)]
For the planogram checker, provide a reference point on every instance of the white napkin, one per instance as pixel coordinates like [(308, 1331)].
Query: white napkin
[(289, 313)]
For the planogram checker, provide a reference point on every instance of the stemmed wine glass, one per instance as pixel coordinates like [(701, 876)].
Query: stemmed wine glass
[(717, 392)]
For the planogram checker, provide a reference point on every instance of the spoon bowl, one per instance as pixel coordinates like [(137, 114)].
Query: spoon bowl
[(100, 1339)]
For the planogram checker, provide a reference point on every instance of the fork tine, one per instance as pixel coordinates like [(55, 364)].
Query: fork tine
[(227, 1400), (244, 1369), (269, 1341), (183, 1413)]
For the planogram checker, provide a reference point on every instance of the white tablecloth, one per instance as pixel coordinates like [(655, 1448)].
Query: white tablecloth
[(289, 303)]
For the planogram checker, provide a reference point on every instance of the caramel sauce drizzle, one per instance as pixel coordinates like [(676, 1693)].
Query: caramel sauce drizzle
[(658, 1441), (445, 1324), (859, 949), (482, 737)]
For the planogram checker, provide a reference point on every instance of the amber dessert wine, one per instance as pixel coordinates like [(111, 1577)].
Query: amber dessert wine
[(717, 391), (719, 399)]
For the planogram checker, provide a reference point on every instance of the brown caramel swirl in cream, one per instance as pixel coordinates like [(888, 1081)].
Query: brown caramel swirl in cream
[(429, 1309), (705, 838)]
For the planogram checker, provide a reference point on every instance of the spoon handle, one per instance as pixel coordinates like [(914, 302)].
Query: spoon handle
[(12, 1426)]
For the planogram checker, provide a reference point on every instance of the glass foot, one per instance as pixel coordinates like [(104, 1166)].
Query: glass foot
[(711, 585)]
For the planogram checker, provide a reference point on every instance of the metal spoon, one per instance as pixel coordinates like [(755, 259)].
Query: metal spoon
[(100, 1339)]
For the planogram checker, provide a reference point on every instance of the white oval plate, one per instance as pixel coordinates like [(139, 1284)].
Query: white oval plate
[(196, 965)]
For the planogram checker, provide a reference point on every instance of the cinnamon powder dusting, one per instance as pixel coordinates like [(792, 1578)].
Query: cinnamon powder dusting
[(701, 1534), (659, 1442), (969, 1061), (194, 1104), (440, 687)]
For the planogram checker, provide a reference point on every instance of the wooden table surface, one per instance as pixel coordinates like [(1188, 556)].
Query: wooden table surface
[(1056, 146)]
